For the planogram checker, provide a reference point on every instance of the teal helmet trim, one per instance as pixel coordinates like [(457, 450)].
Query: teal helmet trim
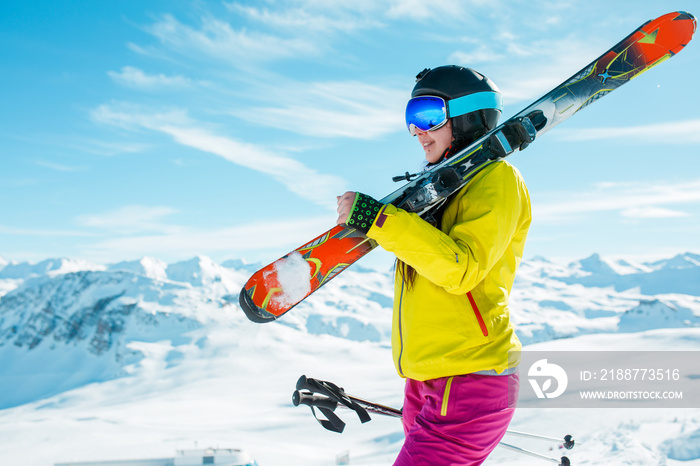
[(474, 102)]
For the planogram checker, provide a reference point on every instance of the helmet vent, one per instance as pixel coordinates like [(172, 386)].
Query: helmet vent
[(422, 74)]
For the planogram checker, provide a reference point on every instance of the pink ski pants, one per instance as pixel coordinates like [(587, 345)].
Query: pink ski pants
[(456, 420)]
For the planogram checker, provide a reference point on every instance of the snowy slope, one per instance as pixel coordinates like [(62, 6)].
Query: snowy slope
[(140, 358)]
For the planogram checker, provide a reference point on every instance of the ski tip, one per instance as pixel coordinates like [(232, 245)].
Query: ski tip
[(253, 312), (685, 16)]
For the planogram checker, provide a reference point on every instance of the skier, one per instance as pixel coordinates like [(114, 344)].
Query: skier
[(452, 338)]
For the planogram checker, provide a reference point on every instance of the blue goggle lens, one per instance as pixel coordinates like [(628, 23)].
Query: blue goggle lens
[(425, 113)]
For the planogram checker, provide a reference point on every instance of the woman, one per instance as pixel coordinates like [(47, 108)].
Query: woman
[(452, 338)]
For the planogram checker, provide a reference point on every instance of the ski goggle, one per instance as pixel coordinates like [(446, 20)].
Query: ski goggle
[(428, 113), (425, 113)]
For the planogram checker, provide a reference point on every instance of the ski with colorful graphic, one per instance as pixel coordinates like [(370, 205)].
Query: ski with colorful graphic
[(275, 289)]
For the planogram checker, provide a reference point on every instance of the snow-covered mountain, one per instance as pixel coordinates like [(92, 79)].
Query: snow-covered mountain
[(150, 267), (90, 325), (77, 338), (680, 274), (50, 267), (596, 295)]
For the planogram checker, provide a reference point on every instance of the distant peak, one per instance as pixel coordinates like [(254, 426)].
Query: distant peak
[(681, 261), (50, 267), (197, 271), (596, 264)]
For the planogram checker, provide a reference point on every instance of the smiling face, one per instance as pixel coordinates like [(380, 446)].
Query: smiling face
[(435, 143)]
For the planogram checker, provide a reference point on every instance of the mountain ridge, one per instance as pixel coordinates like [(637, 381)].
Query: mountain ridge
[(118, 314)]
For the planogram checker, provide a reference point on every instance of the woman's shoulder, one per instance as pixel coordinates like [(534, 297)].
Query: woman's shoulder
[(497, 172)]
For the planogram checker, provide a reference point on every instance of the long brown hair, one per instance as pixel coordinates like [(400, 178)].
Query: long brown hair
[(407, 273)]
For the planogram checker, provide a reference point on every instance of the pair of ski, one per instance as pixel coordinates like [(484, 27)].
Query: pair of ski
[(275, 289), (326, 397)]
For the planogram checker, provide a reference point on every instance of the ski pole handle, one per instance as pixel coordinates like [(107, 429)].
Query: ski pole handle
[(319, 386), (303, 384), (309, 399)]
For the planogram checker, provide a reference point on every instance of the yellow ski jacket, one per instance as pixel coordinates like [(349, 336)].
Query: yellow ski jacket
[(455, 320)]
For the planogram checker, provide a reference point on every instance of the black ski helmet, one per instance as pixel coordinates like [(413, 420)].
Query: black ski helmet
[(451, 82)]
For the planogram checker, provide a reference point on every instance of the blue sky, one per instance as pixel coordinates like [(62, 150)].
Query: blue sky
[(227, 129)]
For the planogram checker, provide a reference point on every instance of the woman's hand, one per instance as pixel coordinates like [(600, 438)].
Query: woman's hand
[(345, 203)]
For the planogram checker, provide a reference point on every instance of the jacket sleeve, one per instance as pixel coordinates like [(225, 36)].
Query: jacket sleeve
[(488, 214)]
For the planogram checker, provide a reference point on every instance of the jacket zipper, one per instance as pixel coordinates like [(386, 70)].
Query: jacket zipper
[(479, 318)]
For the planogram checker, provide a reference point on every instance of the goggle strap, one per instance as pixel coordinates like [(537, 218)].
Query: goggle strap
[(473, 102)]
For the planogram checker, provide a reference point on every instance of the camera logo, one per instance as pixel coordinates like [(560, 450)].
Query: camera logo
[(543, 370)]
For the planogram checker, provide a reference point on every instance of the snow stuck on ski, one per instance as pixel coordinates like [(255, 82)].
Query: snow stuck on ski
[(294, 277)]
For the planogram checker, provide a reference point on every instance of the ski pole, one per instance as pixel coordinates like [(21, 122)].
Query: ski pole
[(332, 396), (338, 394), (326, 404), (311, 400), (333, 423), (568, 439), (564, 461)]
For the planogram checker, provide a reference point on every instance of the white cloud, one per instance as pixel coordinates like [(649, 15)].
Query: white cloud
[(131, 220), (332, 109), (632, 200), (320, 109), (341, 15), (218, 39), (674, 132), (482, 53), (536, 68), (652, 212), (422, 10), (242, 240), (48, 233), (136, 78), (523, 65), (293, 29), (304, 18), (304, 181)]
